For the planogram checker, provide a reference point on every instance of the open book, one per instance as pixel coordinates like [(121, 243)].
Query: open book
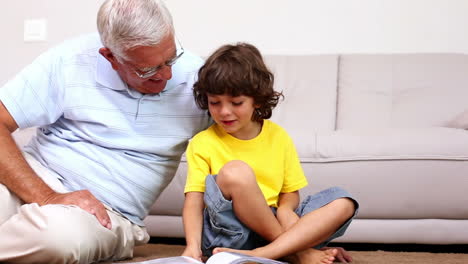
[(219, 258)]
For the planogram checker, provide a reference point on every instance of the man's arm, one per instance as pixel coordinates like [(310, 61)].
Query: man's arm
[(20, 178), (16, 174)]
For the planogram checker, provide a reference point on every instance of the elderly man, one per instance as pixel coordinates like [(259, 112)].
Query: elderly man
[(115, 112)]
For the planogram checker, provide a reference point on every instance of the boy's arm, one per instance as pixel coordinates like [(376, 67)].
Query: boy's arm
[(192, 216), (285, 214)]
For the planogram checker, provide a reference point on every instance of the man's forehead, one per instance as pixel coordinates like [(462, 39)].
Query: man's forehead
[(155, 55)]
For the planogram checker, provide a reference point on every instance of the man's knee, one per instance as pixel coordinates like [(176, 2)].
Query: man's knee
[(64, 234), (9, 204)]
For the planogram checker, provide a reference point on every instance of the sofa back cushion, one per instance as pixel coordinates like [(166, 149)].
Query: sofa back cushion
[(401, 90), (308, 83)]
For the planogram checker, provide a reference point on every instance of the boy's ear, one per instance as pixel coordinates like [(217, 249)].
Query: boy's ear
[(106, 53)]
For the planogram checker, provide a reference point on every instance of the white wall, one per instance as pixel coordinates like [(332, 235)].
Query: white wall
[(325, 26), (65, 19), (287, 27)]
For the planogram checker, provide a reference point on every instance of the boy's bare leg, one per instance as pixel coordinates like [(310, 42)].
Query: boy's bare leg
[(312, 229), (308, 256), (237, 182)]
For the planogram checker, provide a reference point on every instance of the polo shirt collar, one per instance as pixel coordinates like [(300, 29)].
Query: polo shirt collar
[(107, 76), (179, 75)]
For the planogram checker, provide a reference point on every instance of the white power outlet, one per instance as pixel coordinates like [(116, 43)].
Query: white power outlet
[(35, 30)]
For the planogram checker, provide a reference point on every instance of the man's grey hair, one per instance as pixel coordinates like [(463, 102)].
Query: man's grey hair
[(124, 24)]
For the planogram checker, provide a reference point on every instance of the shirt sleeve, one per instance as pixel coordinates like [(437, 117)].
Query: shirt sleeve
[(294, 175), (198, 166), (34, 97)]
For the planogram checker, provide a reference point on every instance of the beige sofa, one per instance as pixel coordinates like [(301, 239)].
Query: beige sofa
[(391, 129)]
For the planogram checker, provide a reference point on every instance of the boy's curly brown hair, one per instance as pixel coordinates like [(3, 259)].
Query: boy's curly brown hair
[(237, 70)]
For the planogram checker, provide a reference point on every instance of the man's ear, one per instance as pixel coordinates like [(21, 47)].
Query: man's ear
[(106, 53)]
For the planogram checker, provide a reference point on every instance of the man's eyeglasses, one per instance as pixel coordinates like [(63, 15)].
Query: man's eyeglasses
[(150, 71)]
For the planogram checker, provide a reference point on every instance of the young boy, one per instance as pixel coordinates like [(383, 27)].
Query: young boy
[(244, 173)]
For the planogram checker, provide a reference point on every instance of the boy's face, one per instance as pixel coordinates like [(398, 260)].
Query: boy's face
[(234, 115)]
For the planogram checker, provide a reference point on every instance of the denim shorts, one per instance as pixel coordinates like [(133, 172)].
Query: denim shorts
[(221, 227)]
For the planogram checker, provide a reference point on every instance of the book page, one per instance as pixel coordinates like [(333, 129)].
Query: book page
[(170, 260), (222, 258), (235, 258)]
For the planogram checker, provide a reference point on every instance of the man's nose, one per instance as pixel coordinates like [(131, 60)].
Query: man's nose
[(165, 73)]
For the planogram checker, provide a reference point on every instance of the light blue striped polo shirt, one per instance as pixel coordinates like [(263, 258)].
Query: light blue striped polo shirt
[(98, 134)]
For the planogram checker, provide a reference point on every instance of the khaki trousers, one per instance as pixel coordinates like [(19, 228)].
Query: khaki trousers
[(61, 234)]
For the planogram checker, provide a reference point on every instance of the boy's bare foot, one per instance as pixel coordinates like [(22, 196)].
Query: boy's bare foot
[(313, 256), (308, 256)]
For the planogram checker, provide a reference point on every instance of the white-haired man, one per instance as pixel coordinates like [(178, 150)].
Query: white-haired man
[(114, 113)]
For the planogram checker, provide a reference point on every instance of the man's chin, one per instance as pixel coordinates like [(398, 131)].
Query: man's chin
[(152, 87)]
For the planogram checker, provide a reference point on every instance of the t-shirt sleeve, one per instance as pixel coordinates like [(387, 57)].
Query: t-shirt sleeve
[(198, 166), (34, 97), (294, 175)]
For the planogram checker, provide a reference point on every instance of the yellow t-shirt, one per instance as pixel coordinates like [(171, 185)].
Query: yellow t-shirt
[(271, 155)]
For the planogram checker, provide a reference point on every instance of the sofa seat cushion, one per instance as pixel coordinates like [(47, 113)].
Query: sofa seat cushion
[(438, 143), (460, 121)]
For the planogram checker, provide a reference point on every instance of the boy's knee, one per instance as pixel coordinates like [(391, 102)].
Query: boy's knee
[(233, 176), (347, 206), (235, 172)]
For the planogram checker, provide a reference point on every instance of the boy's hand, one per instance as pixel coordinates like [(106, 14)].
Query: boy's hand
[(193, 252)]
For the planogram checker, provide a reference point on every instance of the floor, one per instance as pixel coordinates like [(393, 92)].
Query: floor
[(360, 246)]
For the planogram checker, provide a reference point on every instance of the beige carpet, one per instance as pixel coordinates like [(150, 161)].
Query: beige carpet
[(360, 257)]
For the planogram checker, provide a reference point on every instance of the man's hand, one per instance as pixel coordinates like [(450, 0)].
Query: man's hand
[(86, 201), (343, 256)]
